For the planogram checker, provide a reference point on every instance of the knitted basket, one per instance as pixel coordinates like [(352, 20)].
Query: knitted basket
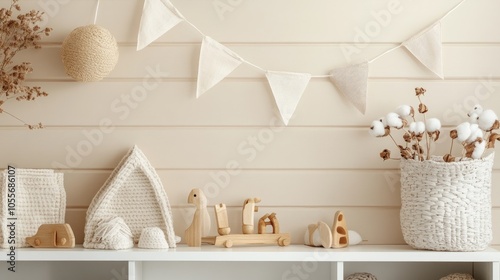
[(446, 206), (361, 276), (458, 276), (40, 199)]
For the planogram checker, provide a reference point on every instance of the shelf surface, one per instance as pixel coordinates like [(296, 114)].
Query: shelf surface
[(359, 253)]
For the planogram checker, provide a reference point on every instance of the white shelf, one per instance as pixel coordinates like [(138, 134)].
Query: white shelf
[(293, 253), (144, 264)]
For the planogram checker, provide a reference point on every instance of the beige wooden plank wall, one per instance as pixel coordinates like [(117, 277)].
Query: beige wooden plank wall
[(322, 162)]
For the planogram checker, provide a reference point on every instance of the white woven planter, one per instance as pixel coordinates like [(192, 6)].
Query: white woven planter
[(446, 206)]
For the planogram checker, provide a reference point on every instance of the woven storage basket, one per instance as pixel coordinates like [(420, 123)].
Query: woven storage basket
[(40, 199), (446, 206)]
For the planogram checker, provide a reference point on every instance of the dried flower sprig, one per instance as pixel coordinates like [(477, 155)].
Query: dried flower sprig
[(469, 134), (18, 31)]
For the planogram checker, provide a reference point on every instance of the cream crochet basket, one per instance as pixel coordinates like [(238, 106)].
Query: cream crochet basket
[(446, 206), (40, 199)]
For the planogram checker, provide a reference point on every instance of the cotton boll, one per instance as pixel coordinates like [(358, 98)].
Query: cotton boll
[(479, 148), (433, 124), (377, 129), (383, 121), (475, 133), (486, 120), (420, 128), (393, 120), (473, 117), (404, 111), (476, 110), (463, 131), (413, 127)]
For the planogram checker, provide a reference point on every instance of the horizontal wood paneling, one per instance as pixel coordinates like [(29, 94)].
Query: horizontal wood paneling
[(384, 227), (280, 20), (276, 188), (245, 103), (325, 161), (201, 148), (181, 61)]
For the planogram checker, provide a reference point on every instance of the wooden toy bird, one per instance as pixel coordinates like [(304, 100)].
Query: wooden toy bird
[(200, 226)]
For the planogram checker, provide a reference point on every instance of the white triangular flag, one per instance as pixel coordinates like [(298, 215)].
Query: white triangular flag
[(427, 48), (216, 62), (158, 17), (287, 90), (352, 81)]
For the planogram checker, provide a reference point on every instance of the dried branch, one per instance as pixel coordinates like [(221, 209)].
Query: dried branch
[(18, 32)]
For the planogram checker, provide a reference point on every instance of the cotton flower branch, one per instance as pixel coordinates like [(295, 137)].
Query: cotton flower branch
[(471, 135), (403, 118), (18, 32)]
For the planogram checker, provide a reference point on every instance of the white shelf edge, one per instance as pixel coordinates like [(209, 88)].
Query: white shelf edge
[(359, 253)]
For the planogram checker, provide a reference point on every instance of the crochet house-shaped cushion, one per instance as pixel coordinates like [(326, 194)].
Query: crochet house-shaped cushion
[(134, 193)]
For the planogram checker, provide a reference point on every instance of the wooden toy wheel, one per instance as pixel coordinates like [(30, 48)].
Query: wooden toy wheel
[(228, 244), (283, 241)]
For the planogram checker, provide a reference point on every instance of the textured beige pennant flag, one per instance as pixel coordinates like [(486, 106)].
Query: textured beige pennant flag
[(427, 48), (287, 89), (352, 81), (158, 17), (216, 62)]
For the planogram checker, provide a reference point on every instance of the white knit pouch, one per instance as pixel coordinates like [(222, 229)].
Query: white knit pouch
[(40, 199)]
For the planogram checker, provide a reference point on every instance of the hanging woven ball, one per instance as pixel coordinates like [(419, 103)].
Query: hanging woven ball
[(361, 276), (89, 53)]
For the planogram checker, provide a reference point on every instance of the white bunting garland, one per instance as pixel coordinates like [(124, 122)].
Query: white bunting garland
[(158, 17), (287, 89), (352, 81), (217, 61), (426, 47)]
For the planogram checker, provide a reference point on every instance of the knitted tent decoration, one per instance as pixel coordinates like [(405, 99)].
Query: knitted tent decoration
[(134, 193)]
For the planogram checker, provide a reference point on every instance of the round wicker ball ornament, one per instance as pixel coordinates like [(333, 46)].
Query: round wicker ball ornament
[(458, 276), (89, 53), (361, 276)]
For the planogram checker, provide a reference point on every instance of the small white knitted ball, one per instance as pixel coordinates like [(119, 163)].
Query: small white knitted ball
[(89, 53), (152, 238)]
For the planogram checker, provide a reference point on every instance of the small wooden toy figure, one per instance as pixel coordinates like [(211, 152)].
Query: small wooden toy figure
[(53, 236), (200, 226), (249, 208), (338, 236), (271, 221), (248, 237), (221, 218), (339, 231), (319, 235)]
